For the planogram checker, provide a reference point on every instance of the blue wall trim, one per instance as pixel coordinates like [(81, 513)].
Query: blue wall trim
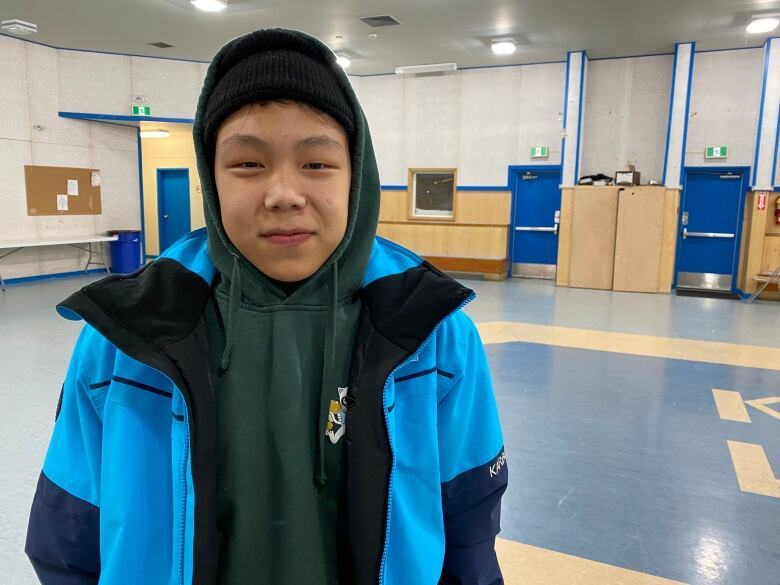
[(141, 193), (754, 171), (565, 112), (120, 118), (583, 57), (671, 110), (56, 275), (687, 111), (393, 187), (777, 139)]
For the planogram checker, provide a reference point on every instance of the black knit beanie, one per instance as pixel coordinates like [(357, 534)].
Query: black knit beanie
[(275, 74)]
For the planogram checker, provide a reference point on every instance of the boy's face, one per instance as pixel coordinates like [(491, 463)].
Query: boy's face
[(283, 176)]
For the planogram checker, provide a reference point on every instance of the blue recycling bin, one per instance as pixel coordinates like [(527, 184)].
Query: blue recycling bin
[(126, 251)]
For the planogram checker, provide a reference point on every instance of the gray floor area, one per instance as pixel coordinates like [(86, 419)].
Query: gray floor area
[(540, 302), (35, 345)]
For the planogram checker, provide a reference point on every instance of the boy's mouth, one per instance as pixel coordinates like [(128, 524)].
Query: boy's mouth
[(287, 237)]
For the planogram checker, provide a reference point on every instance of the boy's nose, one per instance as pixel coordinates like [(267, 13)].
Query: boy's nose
[(283, 192)]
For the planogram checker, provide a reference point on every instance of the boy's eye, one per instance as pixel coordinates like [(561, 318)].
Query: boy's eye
[(315, 166), (249, 165)]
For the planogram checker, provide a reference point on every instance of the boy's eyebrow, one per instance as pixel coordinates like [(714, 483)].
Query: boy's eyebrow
[(258, 143)]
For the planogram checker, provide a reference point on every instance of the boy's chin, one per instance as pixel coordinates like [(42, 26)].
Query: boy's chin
[(288, 272)]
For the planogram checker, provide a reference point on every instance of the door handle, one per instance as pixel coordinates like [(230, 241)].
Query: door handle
[(536, 229), (165, 216), (687, 234)]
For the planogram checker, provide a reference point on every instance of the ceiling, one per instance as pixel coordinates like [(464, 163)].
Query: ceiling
[(431, 31)]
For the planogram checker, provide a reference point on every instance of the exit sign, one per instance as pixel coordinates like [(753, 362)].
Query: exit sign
[(142, 110), (716, 152), (540, 152)]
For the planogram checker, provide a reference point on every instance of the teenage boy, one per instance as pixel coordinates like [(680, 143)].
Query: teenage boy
[(281, 398)]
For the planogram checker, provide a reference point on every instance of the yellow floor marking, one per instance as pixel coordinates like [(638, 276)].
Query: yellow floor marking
[(730, 405), (749, 356), (762, 404), (522, 564), (754, 473)]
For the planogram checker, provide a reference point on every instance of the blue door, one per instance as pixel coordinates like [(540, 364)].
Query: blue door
[(535, 219), (173, 205), (708, 244)]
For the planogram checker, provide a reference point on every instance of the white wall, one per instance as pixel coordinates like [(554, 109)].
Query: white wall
[(626, 115), (35, 87), (725, 98), (479, 120)]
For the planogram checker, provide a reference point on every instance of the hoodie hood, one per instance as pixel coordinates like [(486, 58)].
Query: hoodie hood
[(353, 253)]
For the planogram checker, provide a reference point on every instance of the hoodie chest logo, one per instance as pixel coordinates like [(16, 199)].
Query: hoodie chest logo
[(337, 417)]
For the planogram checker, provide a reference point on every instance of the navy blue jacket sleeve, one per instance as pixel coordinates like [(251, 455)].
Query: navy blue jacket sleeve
[(63, 535), (473, 465)]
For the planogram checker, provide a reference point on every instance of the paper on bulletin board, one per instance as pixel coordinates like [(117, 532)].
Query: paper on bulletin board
[(62, 203), (73, 187), (96, 178)]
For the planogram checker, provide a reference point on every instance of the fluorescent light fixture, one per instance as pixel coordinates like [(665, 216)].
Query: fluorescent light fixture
[(762, 25), (155, 134), (343, 61), (503, 47), (433, 68), (209, 5), (18, 27)]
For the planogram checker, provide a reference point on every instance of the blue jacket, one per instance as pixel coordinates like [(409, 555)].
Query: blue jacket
[(127, 491)]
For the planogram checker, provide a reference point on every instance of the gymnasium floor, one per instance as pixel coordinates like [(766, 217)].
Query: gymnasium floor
[(642, 431)]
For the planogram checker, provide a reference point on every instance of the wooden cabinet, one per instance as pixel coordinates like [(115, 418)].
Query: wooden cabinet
[(618, 238)]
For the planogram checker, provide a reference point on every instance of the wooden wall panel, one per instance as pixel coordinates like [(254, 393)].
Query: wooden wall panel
[(771, 254), (669, 240), (638, 237), (564, 237), (471, 207), (483, 207), (594, 226), (752, 249), (487, 242), (393, 206)]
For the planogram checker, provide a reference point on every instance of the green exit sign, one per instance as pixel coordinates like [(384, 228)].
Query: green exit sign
[(540, 152), (716, 152), (142, 110)]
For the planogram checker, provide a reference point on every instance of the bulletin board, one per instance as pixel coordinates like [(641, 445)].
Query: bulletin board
[(62, 191)]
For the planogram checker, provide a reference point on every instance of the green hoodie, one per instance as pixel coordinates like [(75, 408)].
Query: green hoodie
[(279, 362)]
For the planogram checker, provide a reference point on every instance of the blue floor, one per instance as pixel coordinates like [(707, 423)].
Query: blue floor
[(623, 459)]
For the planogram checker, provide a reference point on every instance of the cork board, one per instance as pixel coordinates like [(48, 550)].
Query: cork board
[(62, 191)]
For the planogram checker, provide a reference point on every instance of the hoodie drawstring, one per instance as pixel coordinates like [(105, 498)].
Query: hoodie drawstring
[(233, 306), (328, 366)]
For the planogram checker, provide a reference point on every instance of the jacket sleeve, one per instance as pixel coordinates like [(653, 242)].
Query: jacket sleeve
[(63, 531), (473, 465)]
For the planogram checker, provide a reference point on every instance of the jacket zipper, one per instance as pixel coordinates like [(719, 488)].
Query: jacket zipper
[(387, 427), (183, 528)]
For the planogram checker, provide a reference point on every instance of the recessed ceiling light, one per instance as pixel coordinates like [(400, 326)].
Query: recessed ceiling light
[(343, 60), (339, 37), (503, 47), (155, 134), (373, 36), (209, 5), (762, 25), (18, 27)]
